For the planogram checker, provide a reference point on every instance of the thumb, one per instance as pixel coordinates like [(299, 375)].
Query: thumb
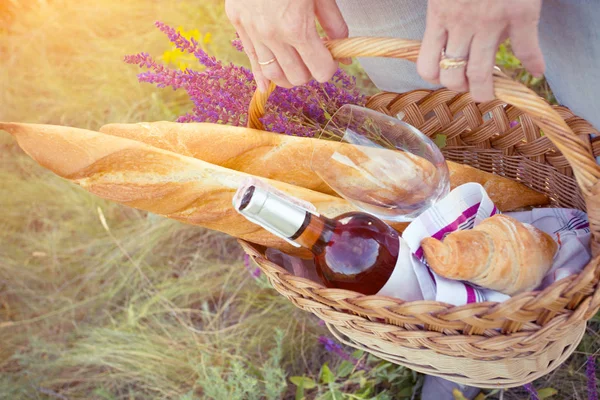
[(332, 21)]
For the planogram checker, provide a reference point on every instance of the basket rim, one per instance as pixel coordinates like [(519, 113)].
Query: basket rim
[(523, 300)]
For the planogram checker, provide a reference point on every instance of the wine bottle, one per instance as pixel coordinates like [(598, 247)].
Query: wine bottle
[(354, 251), (304, 268)]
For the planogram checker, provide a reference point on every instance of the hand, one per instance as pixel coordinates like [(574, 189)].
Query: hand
[(284, 32), (474, 29)]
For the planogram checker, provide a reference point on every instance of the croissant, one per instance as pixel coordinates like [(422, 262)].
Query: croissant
[(500, 253)]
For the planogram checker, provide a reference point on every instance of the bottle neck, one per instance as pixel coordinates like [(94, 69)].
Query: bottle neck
[(284, 218), (315, 233)]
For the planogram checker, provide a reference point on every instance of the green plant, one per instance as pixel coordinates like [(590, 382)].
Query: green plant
[(362, 376), (510, 64), (241, 380)]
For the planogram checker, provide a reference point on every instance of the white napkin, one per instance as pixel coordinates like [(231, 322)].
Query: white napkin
[(465, 207)]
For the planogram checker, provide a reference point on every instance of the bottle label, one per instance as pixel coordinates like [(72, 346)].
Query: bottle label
[(403, 283)]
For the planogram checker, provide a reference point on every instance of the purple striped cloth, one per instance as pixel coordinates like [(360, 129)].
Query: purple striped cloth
[(464, 208)]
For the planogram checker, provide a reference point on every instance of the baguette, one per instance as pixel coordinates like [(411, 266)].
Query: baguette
[(500, 253), (288, 159), (138, 175)]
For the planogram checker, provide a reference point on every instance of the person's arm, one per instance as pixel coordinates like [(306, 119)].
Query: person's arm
[(281, 39), (473, 29)]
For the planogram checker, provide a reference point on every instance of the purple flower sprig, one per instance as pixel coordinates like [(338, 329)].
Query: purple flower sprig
[(158, 74), (590, 372), (237, 43), (332, 346), (187, 46), (255, 272), (222, 92), (532, 392)]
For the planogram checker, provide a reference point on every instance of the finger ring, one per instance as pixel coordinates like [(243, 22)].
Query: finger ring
[(271, 61), (452, 62)]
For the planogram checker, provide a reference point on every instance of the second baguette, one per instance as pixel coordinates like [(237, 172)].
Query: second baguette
[(288, 159)]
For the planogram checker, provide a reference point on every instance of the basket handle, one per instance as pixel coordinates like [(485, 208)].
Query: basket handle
[(574, 149)]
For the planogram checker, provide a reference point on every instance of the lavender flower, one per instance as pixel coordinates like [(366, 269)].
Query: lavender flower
[(334, 347), (222, 92), (237, 43), (185, 45), (159, 74), (531, 390), (590, 372), (255, 272)]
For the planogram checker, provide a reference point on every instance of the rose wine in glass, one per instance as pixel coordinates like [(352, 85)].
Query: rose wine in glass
[(380, 164)]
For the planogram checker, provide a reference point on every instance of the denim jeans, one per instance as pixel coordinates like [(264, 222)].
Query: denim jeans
[(570, 42)]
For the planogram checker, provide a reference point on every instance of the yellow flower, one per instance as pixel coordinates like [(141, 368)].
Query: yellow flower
[(207, 38), (168, 56), (194, 33), (177, 57)]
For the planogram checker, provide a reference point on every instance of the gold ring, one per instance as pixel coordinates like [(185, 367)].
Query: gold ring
[(271, 61), (452, 62)]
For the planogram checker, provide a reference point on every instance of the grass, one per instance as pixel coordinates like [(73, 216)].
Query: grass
[(99, 301), (63, 61)]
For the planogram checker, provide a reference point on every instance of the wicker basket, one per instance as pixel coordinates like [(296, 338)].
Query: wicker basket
[(488, 345)]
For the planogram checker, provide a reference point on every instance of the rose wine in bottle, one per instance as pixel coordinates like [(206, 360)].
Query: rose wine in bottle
[(354, 251)]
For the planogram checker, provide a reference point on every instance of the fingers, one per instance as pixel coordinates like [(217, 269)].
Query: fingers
[(524, 39), (332, 22), (273, 70), (293, 68), (481, 65), (317, 58), (433, 43), (331, 19), (473, 31), (459, 43), (286, 31), (311, 48), (261, 82)]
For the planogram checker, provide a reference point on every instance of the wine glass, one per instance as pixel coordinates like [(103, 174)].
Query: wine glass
[(380, 164)]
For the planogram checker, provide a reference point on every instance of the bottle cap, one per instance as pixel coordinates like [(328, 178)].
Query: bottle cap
[(275, 211)]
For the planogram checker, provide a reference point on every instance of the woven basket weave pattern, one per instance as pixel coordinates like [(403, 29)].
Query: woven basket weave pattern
[(483, 344)]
